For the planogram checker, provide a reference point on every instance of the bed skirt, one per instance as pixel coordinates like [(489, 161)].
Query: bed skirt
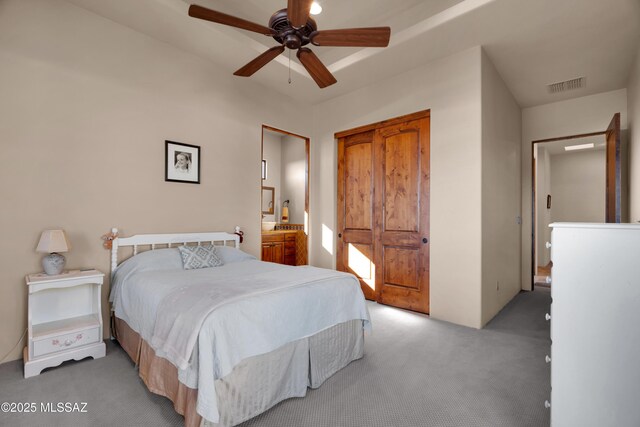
[(255, 384)]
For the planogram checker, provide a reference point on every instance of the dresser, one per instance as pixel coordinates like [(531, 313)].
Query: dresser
[(595, 325), (64, 319)]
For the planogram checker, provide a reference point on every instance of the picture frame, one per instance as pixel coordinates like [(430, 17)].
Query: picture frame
[(181, 162)]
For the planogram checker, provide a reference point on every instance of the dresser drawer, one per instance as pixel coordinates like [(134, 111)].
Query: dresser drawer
[(290, 237), (65, 342), (272, 237)]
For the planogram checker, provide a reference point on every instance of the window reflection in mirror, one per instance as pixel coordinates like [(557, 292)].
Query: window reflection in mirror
[(268, 197)]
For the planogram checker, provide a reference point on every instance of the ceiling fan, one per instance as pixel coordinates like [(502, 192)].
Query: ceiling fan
[(293, 28)]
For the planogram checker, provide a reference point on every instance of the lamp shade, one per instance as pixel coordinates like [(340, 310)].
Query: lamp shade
[(53, 241)]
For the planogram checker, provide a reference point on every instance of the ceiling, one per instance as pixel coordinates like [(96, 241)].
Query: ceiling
[(531, 43), (557, 147)]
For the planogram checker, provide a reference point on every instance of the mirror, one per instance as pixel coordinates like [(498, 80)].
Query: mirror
[(268, 200)]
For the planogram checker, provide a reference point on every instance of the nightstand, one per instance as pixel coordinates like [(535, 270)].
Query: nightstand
[(64, 319)]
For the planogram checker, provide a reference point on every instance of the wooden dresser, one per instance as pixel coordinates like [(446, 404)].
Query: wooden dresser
[(279, 247)]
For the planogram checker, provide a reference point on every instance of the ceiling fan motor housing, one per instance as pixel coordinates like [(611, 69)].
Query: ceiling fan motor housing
[(291, 37)]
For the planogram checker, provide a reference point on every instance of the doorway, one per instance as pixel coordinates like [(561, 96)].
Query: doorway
[(575, 178), (284, 197)]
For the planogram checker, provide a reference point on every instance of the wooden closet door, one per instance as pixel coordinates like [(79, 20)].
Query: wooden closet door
[(355, 251), (613, 212), (383, 209), (401, 221)]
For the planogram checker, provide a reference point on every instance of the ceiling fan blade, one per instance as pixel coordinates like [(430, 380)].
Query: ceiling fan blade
[(298, 12), (316, 68), (200, 12), (360, 37), (259, 62)]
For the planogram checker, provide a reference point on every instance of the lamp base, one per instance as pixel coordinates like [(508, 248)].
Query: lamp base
[(53, 264)]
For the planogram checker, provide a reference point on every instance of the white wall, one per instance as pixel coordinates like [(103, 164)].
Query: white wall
[(293, 166), (543, 177), (501, 133), (575, 116), (272, 153), (578, 186), (85, 107), (451, 89), (633, 88)]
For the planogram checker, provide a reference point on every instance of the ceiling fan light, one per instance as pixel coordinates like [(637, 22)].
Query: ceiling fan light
[(316, 9)]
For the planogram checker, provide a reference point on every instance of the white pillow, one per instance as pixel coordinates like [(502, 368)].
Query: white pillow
[(159, 259), (230, 254)]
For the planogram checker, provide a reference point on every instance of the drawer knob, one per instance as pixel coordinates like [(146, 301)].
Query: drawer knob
[(547, 404), (67, 343), (548, 245), (548, 279), (547, 358), (547, 316)]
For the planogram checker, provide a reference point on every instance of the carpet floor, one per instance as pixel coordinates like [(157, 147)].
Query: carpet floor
[(416, 372)]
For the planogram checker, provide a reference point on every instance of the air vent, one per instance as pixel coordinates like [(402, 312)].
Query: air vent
[(572, 84)]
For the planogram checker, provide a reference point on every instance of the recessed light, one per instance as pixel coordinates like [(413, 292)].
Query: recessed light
[(578, 147), (316, 9)]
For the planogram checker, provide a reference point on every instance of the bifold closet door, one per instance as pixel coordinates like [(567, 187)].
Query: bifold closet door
[(383, 211), (355, 210), (401, 222)]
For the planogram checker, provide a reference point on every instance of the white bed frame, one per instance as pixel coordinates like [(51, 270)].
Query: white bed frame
[(157, 241)]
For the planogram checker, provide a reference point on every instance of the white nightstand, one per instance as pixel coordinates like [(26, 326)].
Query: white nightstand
[(65, 319)]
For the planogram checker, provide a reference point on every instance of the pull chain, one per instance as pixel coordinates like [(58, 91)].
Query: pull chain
[(289, 66)]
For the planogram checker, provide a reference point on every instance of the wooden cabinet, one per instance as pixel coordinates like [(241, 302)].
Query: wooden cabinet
[(273, 252), (290, 249), (64, 319), (279, 247), (595, 375)]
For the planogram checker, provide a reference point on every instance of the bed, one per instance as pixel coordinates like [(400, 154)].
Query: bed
[(227, 343)]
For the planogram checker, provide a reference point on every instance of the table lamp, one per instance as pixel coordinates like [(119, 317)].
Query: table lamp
[(52, 242)]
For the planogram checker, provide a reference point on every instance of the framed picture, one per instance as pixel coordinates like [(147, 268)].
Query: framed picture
[(181, 162)]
